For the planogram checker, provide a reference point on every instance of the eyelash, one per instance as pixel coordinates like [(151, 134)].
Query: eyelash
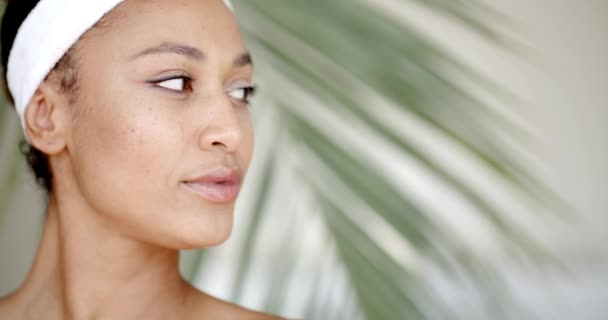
[(249, 90), (187, 83)]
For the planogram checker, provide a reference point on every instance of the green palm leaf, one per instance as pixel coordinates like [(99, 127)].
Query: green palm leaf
[(326, 64)]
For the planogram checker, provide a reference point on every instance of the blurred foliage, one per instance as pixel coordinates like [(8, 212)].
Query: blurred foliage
[(333, 73), (319, 63)]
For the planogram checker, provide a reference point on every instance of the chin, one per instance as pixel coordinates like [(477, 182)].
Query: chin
[(206, 235), (207, 242)]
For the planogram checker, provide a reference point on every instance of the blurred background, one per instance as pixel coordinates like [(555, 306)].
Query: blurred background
[(415, 159)]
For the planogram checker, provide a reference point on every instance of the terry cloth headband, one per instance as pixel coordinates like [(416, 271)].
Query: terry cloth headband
[(37, 33)]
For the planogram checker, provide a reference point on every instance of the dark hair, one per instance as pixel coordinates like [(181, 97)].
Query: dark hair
[(65, 69)]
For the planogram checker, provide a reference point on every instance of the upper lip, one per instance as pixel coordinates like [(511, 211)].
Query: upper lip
[(219, 175)]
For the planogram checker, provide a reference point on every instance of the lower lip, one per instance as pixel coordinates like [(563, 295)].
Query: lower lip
[(216, 192)]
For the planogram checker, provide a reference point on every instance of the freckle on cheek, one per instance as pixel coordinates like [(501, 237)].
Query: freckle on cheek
[(129, 136)]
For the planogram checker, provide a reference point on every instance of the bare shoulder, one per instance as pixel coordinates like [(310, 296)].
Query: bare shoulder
[(217, 309), (8, 307)]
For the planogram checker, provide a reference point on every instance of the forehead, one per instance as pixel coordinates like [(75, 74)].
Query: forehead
[(208, 25)]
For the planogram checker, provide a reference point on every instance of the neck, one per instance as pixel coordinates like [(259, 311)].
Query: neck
[(85, 270)]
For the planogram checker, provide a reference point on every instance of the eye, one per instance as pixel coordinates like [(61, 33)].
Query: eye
[(243, 94), (174, 83)]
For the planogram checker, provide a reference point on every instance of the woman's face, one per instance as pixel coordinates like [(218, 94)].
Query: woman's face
[(161, 103)]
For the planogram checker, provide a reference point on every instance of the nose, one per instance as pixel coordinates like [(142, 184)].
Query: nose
[(224, 129)]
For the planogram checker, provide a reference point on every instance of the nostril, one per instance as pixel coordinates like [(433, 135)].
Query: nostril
[(219, 137)]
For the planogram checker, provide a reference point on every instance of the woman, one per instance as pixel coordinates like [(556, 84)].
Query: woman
[(142, 135)]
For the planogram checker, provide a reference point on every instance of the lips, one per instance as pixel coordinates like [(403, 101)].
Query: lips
[(220, 185)]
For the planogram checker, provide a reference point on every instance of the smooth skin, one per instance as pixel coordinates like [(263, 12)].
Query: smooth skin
[(120, 151)]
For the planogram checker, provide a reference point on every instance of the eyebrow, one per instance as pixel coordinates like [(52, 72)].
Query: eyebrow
[(176, 48), (241, 60)]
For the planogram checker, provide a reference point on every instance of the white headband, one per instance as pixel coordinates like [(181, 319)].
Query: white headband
[(48, 32)]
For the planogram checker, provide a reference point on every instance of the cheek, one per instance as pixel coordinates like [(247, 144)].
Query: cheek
[(124, 155)]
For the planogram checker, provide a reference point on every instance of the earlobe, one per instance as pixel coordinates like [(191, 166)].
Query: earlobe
[(44, 121)]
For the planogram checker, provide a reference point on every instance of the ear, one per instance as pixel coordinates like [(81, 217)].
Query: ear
[(45, 120)]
